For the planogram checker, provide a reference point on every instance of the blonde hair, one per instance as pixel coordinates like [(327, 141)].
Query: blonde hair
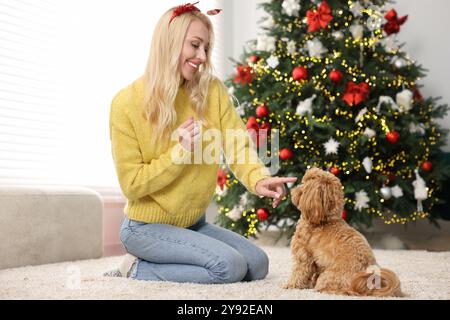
[(163, 79)]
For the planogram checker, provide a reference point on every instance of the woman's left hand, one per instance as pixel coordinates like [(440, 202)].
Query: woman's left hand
[(273, 187)]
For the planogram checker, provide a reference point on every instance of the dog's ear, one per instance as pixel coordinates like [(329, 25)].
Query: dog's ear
[(295, 195), (316, 205), (333, 197)]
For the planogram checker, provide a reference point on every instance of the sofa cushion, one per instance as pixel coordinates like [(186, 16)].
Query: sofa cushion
[(44, 224)]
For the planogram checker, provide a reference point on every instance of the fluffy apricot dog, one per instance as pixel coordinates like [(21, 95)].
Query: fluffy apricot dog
[(328, 254)]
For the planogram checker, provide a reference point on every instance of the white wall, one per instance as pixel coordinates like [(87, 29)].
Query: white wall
[(425, 34), (427, 41)]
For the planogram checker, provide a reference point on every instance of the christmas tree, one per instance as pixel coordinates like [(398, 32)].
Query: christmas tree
[(329, 79)]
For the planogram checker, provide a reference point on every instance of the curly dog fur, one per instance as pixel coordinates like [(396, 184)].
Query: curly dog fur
[(328, 254)]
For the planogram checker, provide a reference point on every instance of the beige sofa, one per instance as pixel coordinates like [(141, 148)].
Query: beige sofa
[(41, 225)]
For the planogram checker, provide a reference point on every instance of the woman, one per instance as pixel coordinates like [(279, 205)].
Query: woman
[(164, 230)]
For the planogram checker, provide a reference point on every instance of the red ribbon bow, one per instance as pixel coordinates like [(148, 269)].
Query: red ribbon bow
[(244, 74), (319, 18), (189, 7), (394, 23), (356, 93)]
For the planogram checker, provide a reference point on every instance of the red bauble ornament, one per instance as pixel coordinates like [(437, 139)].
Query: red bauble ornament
[(253, 128), (265, 126), (393, 137), (286, 154), (252, 124), (427, 166), (258, 135), (344, 215), (263, 133), (335, 171), (336, 76), (262, 111), (262, 214), (300, 73), (221, 178), (253, 59)]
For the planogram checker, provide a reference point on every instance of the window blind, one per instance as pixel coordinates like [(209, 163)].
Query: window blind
[(29, 101), (61, 63)]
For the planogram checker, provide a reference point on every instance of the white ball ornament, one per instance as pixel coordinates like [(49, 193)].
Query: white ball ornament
[(400, 63), (386, 193), (367, 163), (338, 35)]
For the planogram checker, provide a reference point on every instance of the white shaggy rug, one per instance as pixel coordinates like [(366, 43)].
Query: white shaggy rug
[(424, 275)]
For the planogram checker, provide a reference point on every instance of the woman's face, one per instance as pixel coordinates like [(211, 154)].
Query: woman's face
[(195, 49)]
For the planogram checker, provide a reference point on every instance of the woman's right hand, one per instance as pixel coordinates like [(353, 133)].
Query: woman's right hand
[(188, 134)]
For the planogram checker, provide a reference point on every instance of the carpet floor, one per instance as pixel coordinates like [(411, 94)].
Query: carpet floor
[(424, 275)]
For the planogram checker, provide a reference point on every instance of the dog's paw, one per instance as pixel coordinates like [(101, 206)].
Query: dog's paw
[(286, 286), (289, 285), (296, 285)]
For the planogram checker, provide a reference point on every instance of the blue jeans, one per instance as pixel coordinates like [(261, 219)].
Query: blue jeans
[(202, 253)]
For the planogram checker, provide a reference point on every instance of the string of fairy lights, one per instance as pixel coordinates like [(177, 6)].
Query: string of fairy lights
[(302, 141)]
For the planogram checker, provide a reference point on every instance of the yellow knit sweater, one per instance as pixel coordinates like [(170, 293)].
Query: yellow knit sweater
[(157, 189)]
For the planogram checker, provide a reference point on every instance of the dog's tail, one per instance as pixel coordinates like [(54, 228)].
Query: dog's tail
[(377, 282)]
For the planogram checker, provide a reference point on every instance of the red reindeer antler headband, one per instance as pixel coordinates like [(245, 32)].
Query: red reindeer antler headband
[(189, 7)]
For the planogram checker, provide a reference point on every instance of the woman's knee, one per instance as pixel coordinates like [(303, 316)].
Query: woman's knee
[(231, 267), (124, 234), (132, 239), (258, 265)]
